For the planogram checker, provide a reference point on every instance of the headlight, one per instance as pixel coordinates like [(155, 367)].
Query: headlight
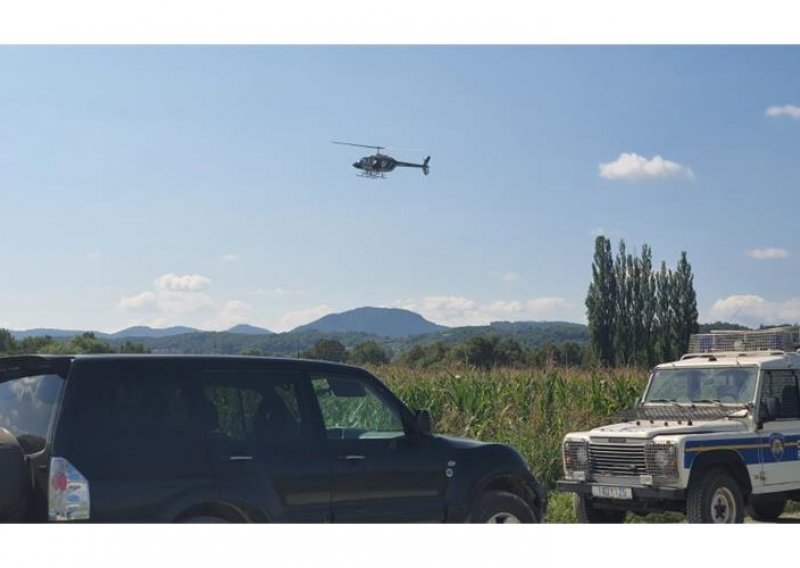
[(576, 455), (662, 460)]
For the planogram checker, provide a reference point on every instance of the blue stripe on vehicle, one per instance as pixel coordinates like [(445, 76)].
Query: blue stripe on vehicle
[(752, 450)]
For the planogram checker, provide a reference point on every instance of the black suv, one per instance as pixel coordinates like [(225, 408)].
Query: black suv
[(237, 439)]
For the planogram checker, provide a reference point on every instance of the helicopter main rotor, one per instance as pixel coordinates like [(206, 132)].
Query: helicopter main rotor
[(377, 148)]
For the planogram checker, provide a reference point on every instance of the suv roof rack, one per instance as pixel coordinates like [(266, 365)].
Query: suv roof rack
[(777, 340)]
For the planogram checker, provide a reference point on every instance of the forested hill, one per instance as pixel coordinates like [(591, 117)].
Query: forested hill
[(386, 322)]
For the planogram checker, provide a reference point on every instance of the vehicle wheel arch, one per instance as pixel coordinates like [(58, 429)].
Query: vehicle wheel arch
[(728, 459), (513, 483)]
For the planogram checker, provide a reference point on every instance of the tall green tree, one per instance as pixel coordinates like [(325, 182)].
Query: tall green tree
[(646, 307), (665, 315), (685, 304), (622, 327), (601, 301)]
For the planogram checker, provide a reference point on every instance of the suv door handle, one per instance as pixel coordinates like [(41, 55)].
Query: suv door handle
[(239, 458), (352, 457)]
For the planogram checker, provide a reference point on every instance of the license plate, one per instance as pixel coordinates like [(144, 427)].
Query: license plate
[(612, 492)]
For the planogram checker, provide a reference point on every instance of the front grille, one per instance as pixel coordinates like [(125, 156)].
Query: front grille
[(625, 460)]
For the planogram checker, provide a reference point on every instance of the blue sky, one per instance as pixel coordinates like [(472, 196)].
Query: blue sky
[(198, 185)]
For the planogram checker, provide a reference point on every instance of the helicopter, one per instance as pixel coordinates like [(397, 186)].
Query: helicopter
[(377, 165)]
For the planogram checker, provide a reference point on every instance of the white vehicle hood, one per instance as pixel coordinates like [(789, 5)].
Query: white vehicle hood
[(646, 429)]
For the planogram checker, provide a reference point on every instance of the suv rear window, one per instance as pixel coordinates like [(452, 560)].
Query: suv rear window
[(27, 406), (132, 420)]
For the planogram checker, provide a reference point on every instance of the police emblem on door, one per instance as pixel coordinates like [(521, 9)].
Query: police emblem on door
[(777, 446)]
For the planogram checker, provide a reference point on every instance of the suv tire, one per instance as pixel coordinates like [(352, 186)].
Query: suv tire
[(501, 507), (585, 512), (716, 497), (766, 511), (14, 481)]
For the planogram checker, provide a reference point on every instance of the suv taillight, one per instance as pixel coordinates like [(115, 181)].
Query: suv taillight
[(68, 492)]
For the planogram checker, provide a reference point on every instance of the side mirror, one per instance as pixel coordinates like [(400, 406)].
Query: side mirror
[(423, 426)]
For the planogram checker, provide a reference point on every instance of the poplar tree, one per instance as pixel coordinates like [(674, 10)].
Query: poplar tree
[(685, 304), (601, 302)]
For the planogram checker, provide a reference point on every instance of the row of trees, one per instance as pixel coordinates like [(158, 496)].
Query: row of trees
[(638, 315), (83, 343), (485, 351)]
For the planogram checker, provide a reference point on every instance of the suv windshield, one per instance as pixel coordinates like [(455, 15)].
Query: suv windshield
[(719, 384), (27, 406)]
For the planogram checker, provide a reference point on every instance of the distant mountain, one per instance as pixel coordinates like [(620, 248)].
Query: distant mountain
[(42, 331), (384, 322), (144, 331), (246, 329)]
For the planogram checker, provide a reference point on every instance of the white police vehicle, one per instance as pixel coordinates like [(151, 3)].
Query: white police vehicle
[(716, 433)]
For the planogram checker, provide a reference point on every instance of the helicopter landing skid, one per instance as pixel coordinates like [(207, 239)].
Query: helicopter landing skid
[(371, 176)]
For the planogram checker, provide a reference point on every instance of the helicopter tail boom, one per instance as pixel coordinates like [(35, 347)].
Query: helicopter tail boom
[(424, 165)]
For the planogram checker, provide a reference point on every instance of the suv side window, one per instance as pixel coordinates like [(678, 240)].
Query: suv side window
[(254, 408), (133, 422), (782, 384), (353, 409)]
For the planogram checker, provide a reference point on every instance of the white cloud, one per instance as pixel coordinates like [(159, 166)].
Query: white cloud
[(753, 310), (179, 300), (633, 167), (791, 111), (510, 277), (767, 253), (455, 311), (231, 258), (93, 256), (232, 313), (186, 283), (291, 320), (146, 301), (548, 308), (280, 292)]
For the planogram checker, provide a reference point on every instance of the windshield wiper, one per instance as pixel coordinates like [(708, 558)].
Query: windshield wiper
[(662, 400), (709, 400)]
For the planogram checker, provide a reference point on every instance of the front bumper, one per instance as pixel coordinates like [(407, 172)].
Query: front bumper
[(640, 492)]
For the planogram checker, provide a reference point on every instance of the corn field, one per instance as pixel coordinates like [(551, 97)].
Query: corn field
[(530, 409)]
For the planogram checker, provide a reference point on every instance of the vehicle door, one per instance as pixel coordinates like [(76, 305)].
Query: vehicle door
[(780, 430), (266, 450), (381, 471), (130, 427)]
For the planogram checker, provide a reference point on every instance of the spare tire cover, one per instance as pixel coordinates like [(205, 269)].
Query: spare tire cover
[(13, 478)]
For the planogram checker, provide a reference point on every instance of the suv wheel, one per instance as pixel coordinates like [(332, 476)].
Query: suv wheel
[(501, 508), (585, 512), (766, 511), (715, 498)]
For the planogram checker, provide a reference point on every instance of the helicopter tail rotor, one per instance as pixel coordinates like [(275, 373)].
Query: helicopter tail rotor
[(425, 167)]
